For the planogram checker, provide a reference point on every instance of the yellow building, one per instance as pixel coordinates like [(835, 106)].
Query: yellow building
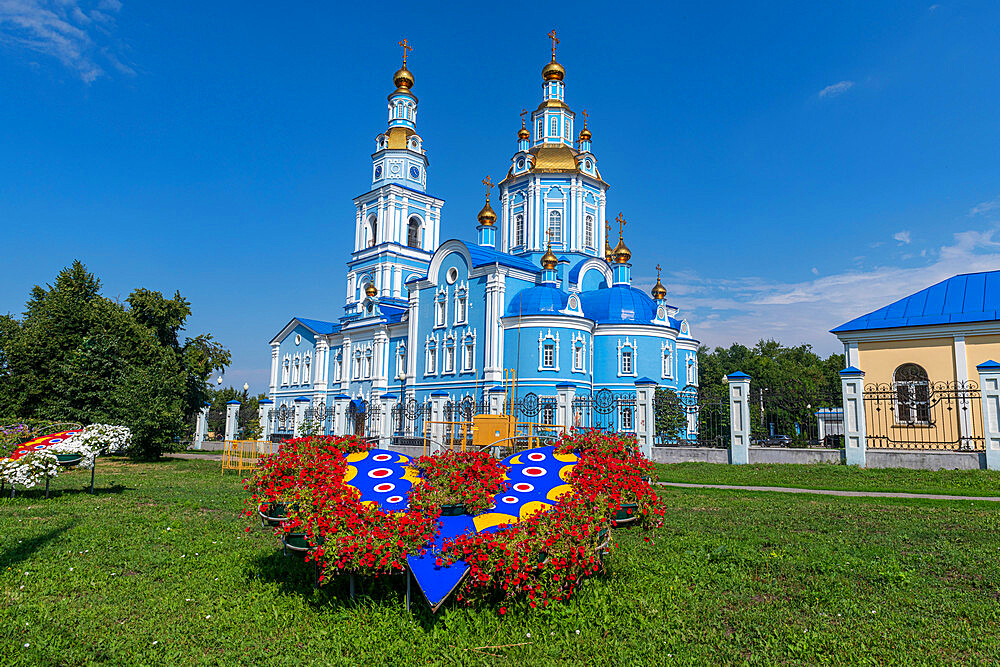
[(919, 356)]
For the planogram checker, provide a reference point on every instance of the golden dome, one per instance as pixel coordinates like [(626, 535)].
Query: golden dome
[(609, 254), (523, 132), (553, 71), (403, 78), (584, 134), (659, 291), (371, 290), (621, 252), (486, 216), (549, 260)]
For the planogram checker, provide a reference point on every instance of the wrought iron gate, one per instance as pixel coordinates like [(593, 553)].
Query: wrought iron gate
[(605, 411), (363, 418), (282, 421), (920, 414), (691, 417)]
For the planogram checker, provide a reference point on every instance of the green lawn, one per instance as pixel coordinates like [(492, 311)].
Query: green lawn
[(837, 477), (157, 569)]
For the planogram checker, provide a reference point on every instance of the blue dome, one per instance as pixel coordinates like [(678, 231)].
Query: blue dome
[(620, 303), (537, 301)]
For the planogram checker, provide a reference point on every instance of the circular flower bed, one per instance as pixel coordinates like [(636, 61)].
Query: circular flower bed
[(533, 525)]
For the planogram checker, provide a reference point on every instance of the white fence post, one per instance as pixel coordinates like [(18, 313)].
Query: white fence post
[(301, 403), (497, 397), (263, 408), (852, 381), (340, 403), (565, 393), (389, 402), (437, 415), (645, 419), (232, 419), (989, 385), (739, 417), (201, 426)]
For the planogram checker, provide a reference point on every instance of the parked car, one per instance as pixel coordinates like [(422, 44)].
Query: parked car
[(778, 441)]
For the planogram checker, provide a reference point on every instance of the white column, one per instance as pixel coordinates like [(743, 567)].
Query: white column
[(962, 378), (989, 384), (339, 422), (851, 355), (855, 430), (274, 368), (412, 348), (438, 399), (739, 415), (232, 419), (201, 426), (263, 408)]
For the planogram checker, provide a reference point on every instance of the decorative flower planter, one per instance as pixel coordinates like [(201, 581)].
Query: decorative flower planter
[(298, 542), (603, 543), (456, 509), (273, 514), (69, 459), (626, 515)]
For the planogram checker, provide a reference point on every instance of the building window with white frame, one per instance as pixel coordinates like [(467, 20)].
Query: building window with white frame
[(449, 358), (548, 410), (338, 367), (368, 364), (554, 126), (667, 369), (555, 227), (470, 356), (357, 365), (431, 360), (461, 308), (627, 362), (284, 372), (400, 362), (626, 357), (440, 313), (549, 355), (625, 421), (541, 128), (518, 229), (588, 231), (307, 370), (296, 370), (578, 351)]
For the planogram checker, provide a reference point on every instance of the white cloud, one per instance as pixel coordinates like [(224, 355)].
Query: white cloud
[(835, 89), (744, 309), (984, 207), (76, 33), (903, 237), (815, 271)]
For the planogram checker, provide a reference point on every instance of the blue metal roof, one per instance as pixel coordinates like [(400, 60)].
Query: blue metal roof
[(319, 326), (967, 297), (620, 303), (482, 255), (537, 301)]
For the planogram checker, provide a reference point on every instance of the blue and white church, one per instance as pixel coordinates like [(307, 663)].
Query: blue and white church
[(540, 294)]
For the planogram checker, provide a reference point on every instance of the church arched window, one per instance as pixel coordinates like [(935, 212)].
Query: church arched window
[(555, 227), (912, 394), (554, 126), (588, 231), (541, 128), (518, 229), (284, 372), (413, 233), (372, 231)]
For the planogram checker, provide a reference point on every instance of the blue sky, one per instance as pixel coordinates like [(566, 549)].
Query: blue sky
[(791, 166)]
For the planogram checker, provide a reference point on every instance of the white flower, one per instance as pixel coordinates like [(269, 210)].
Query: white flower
[(27, 645), (529, 635)]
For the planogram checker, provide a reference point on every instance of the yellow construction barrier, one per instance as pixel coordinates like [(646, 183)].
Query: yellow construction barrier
[(240, 455)]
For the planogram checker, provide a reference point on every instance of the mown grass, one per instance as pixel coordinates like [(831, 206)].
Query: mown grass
[(157, 569), (836, 477)]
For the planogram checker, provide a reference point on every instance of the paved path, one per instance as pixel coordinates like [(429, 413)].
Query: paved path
[(828, 492), (194, 457)]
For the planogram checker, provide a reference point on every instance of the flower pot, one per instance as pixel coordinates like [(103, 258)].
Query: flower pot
[(298, 542), (273, 514), (453, 509), (628, 513), (69, 459)]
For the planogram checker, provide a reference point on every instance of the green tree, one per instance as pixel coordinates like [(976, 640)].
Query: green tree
[(79, 356)]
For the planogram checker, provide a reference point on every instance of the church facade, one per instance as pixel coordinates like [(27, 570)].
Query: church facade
[(540, 293)]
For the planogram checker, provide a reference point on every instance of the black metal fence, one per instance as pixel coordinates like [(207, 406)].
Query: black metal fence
[(407, 421), (605, 410), (364, 418), (795, 416), (920, 414), (691, 417)]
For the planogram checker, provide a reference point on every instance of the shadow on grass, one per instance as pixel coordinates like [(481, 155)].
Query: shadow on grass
[(38, 492), (294, 576), (24, 549)]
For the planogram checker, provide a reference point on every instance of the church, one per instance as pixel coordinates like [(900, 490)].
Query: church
[(542, 295)]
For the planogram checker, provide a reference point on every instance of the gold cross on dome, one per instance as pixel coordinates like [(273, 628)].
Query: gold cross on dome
[(555, 41), (657, 271), (607, 230), (406, 49), (488, 182), (586, 117), (523, 112), (621, 224)]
